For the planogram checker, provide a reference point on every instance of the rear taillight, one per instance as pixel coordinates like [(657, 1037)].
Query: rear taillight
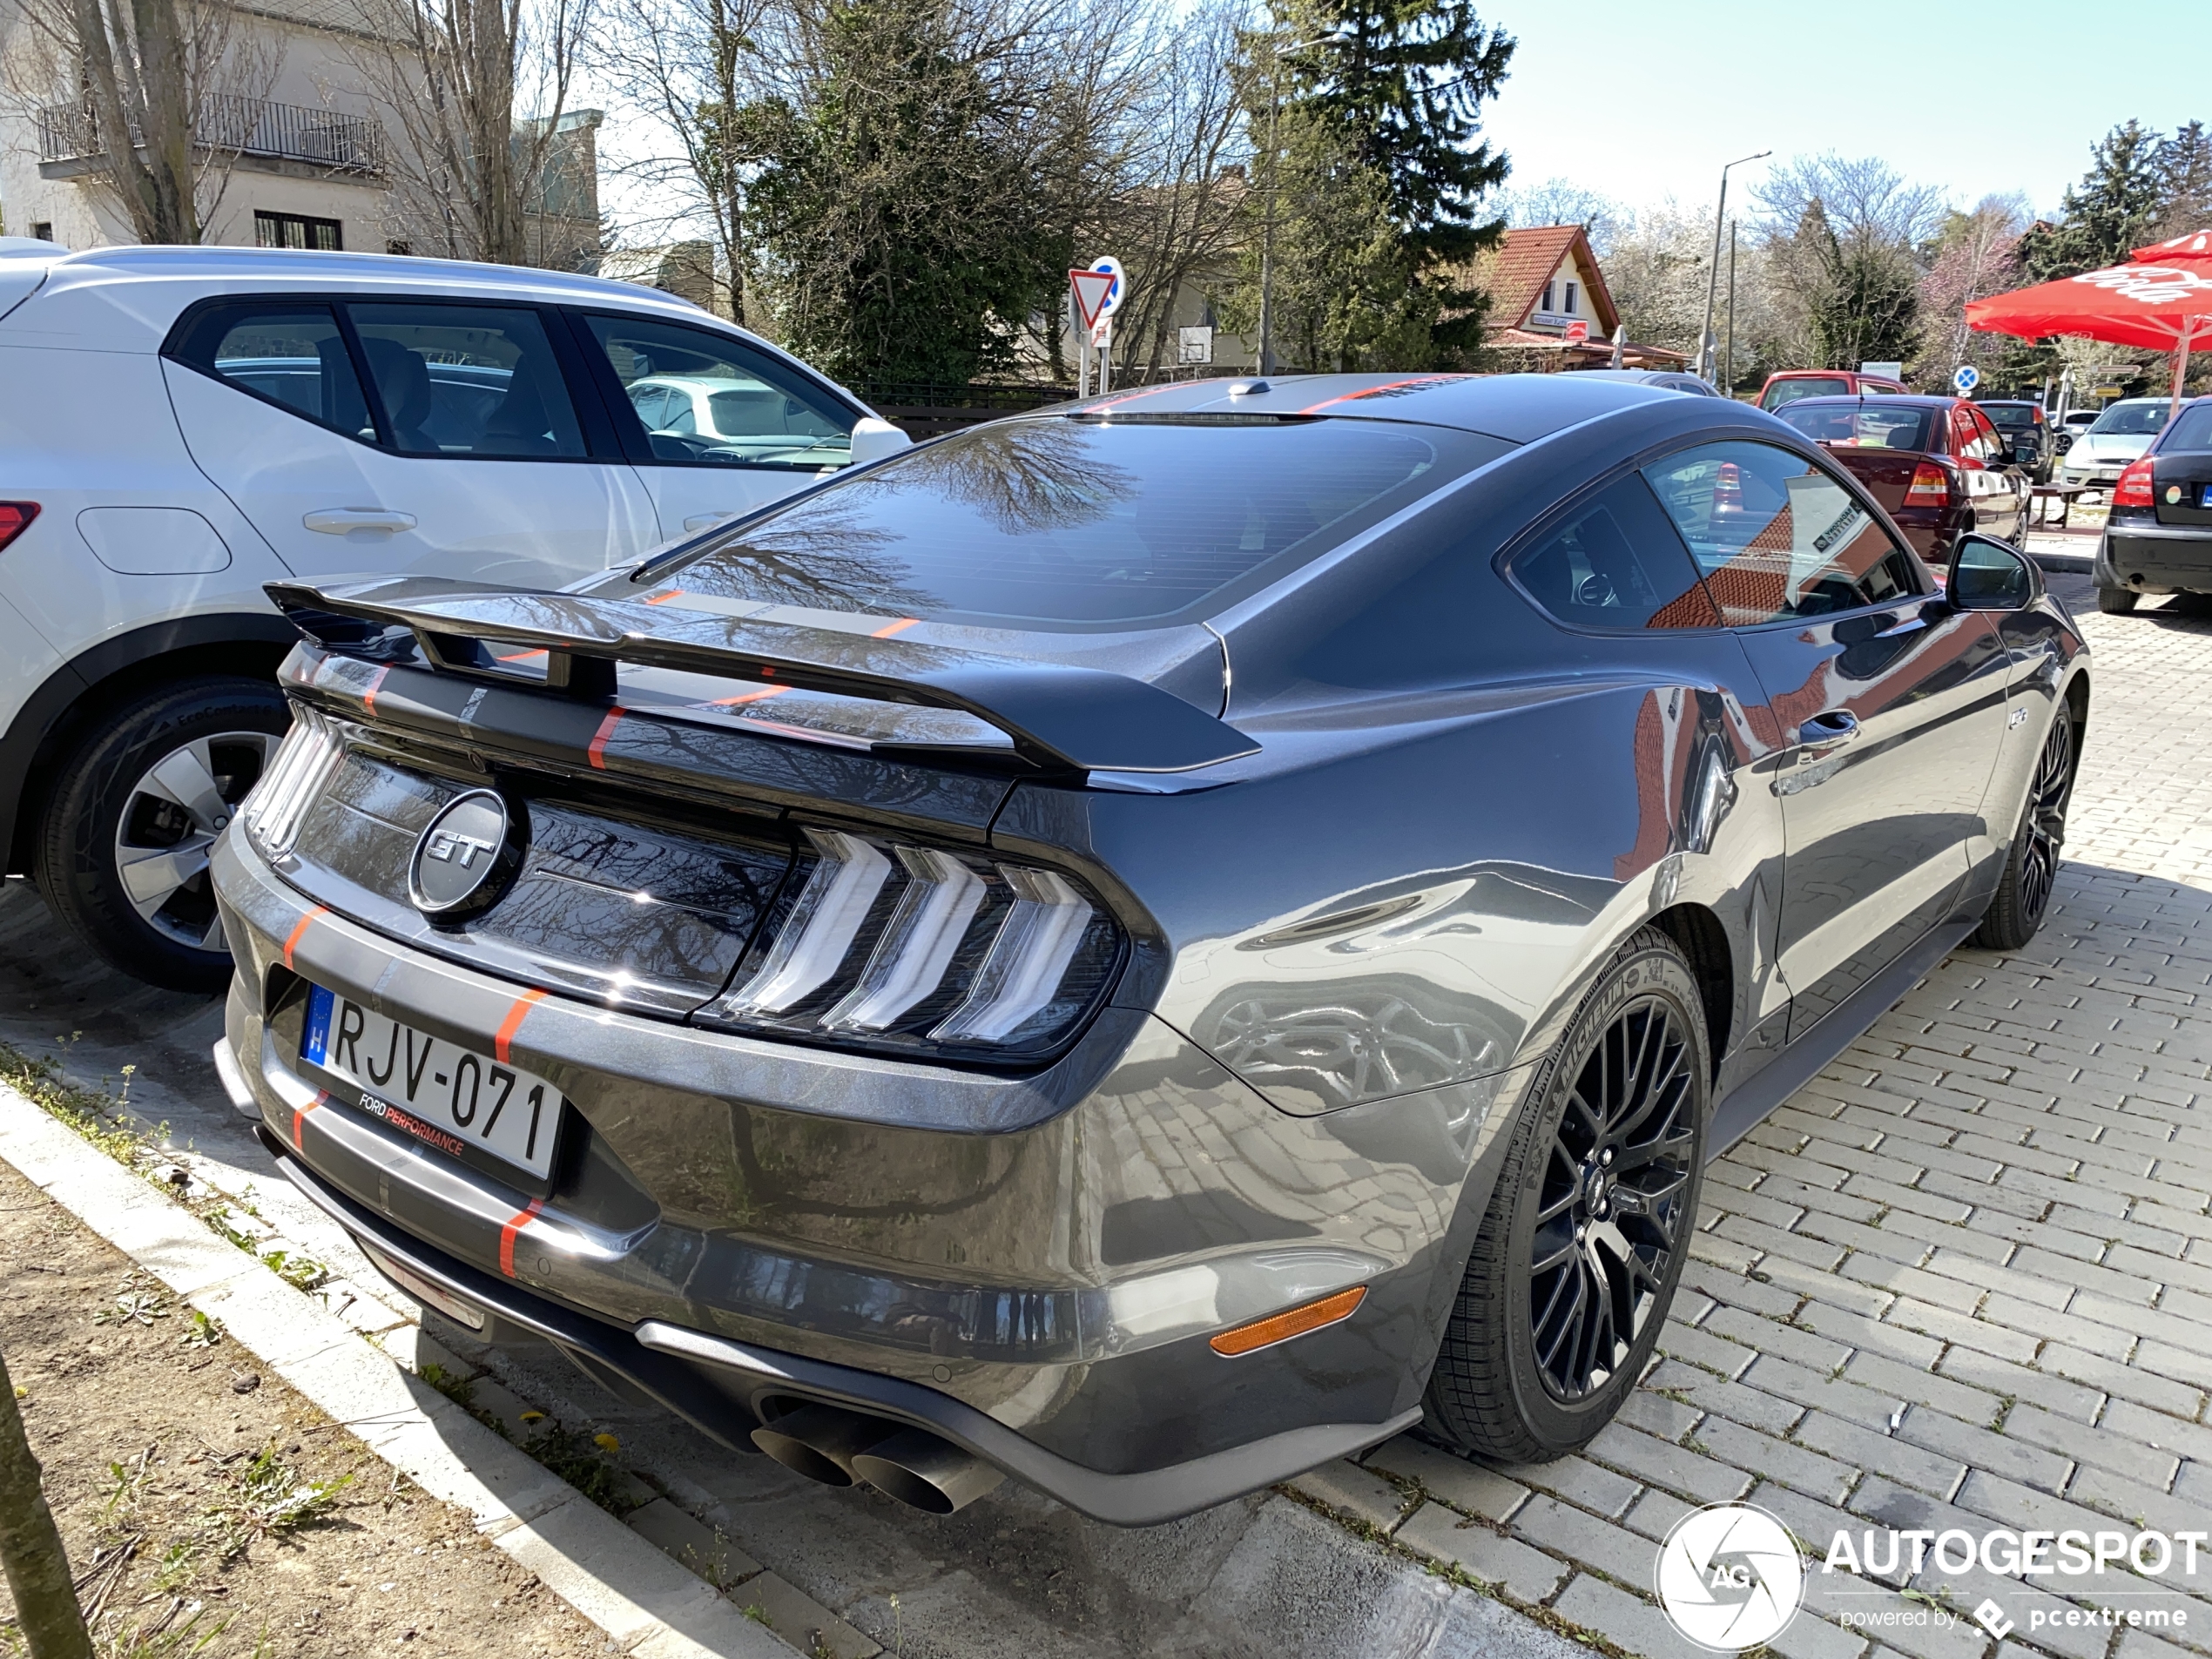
[(273, 808), (14, 519), (2133, 488), (1930, 486), (922, 950), (1728, 489)]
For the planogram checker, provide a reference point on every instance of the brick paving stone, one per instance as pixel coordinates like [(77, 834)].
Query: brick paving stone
[(2121, 1453), (1924, 1388), (1840, 1398), (1628, 1620), (1813, 1351), (1808, 1637), (1732, 1401), (1878, 1453), (1449, 1477), (1661, 1463), (1808, 1472), (1697, 1347), (2021, 1382), (1578, 1480), (1353, 1491), (1772, 1241), (1858, 1330), (2142, 1506), (1445, 1536), (1915, 1282), (1562, 1529), (2016, 1459), (1734, 1290), (1655, 1514), (1657, 1415), (1980, 1332), (2013, 1504)]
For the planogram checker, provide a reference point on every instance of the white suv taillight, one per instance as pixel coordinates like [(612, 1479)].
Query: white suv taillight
[(14, 519)]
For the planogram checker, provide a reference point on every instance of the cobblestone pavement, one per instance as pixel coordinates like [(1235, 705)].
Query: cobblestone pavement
[(1964, 1279)]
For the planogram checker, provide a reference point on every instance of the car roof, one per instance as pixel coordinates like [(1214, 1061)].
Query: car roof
[(1520, 408), (100, 291), (1887, 401)]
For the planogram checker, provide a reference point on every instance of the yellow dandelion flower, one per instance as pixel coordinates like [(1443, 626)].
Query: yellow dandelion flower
[(606, 1442)]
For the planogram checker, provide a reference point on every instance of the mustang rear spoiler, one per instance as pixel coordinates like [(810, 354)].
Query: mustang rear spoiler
[(1059, 716)]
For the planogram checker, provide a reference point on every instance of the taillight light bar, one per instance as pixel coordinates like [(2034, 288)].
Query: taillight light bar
[(915, 949), (1930, 486), (2133, 489), (276, 805), (14, 519)]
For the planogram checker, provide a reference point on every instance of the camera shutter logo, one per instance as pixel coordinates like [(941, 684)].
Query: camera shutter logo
[(1729, 1577), (463, 856)]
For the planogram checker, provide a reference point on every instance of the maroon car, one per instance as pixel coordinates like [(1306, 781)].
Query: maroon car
[(1936, 464)]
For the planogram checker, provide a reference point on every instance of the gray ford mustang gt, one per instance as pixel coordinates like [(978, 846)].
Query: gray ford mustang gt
[(1143, 946)]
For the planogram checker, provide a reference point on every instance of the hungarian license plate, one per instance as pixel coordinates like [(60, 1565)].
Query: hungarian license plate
[(2204, 495), (439, 1092)]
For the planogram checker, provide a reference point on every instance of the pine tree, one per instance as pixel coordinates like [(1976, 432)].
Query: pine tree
[(2116, 209), (2185, 177)]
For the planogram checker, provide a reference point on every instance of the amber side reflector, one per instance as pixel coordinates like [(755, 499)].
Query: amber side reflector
[(1281, 1327)]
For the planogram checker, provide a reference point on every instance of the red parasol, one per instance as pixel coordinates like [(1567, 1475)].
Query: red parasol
[(2164, 306), (2189, 246)]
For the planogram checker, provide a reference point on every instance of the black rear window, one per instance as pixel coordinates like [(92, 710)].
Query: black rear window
[(2010, 417), (1812, 386), (2192, 429), (1084, 522)]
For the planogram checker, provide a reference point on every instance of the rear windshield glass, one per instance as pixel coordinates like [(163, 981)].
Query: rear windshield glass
[(2130, 419), (1881, 424), (2010, 417), (2192, 431), (1789, 391), (1081, 522)]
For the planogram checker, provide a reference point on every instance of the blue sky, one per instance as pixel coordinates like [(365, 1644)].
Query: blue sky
[(1991, 97)]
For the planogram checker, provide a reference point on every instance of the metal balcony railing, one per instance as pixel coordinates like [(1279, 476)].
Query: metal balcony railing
[(243, 126)]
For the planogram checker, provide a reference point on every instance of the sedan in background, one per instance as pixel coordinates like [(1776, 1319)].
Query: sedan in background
[(740, 420), (1143, 946), (1791, 384), (2109, 443), (1667, 379), (2158, 537), (1936, 464)]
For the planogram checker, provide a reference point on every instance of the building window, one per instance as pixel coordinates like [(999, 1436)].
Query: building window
[(44, 230), (1568, 308), (296, 229), (1545, 306), (399, 247)]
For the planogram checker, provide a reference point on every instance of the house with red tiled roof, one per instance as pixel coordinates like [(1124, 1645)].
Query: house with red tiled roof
[(1549, 307)]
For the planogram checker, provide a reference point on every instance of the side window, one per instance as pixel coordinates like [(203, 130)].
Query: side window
[(759, 412), (290, 354), (1615, 563), (468, 380), (652, 404), (1993, 441), (1777, 537)]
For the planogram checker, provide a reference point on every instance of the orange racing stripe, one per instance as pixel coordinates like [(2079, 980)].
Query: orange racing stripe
[(513, 1225), (299, 929), (513, 1022)]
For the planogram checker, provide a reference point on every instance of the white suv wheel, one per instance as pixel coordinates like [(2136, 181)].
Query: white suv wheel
[(171, 821)]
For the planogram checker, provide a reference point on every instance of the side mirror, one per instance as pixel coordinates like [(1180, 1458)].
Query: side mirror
[(873, 439), (1988, 574)]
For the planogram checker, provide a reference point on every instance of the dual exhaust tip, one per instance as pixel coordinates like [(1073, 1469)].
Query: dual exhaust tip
[(843, 1449)]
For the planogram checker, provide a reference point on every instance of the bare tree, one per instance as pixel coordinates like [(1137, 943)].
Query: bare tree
[(474, 93), (161, 94), (1866, 202), (686, 66)]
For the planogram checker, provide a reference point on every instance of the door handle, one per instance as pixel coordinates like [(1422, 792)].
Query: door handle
[(701, 521), (1828, 730), (340, 521), (1904, 627)]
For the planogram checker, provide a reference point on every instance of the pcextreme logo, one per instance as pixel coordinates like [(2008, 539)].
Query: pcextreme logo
[(1729, 1577)]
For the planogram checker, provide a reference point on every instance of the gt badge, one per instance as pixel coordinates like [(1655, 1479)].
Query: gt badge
[(464, 857)]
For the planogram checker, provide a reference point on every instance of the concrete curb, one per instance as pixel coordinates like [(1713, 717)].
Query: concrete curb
[(646, 1603)]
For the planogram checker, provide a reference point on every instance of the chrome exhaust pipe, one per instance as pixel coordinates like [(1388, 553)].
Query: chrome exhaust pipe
[(821, 1441), (930, 1474)]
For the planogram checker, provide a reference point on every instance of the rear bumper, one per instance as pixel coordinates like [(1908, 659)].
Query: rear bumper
[(2156, 558), (723, 1388), (735, 1224)]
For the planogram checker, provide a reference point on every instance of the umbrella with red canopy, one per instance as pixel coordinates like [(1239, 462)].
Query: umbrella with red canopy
[(2165, 305)]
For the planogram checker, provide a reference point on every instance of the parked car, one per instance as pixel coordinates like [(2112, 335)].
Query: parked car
[(728, 416), (2020, 423), (209, 419), (1667, 379), (1936, 464), (1138, 947), (2119, 434), (1788, 385), (2158, 535)]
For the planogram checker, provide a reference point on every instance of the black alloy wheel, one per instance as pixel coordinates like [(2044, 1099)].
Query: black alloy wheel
[(2032, 867), (1611, 1223), (1577, 1262)]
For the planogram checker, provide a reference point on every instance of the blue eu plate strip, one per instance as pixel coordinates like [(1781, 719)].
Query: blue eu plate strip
[(315, 1044)]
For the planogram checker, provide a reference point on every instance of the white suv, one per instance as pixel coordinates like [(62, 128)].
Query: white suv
[(180, 425)]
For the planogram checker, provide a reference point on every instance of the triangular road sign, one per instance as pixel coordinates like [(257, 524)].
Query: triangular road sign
[(1091, 288)]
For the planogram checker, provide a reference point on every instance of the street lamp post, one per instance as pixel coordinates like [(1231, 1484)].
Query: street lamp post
[(1713, 277), (1267, 223)]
